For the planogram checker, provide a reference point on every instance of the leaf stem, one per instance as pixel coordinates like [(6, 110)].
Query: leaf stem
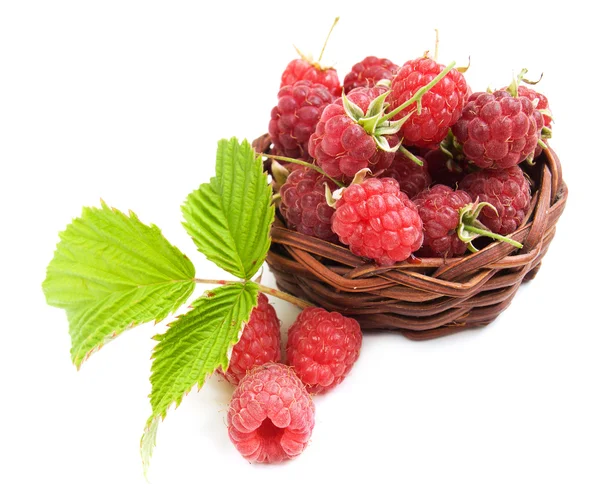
[(302, 304)]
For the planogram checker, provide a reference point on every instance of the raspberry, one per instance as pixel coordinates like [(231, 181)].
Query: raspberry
[(378, 221), (303, 204), (443, 169), (341, 146), (302, 69), (368, 72), (322, 347), (540, 102), (259, 343), (439, 209), (507, 190), (411, 177), (498, 130), (295, 117), (441, 105), (271, 415)]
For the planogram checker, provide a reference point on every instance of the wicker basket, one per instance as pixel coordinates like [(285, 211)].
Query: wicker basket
[(428, 297)]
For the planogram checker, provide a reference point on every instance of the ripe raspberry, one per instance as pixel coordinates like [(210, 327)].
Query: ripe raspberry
[(439, 209), (498, 130), (368, 72), (411, 177), (540, 102), (341, 146), (295, 117), (303, 204), (259, 343), (443, 169), (441, 105), (271, 415), (303, 69), (506, 189), (378, 221), (322, 347)]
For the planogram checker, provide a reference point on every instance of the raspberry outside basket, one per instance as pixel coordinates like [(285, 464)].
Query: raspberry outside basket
[(429, 297)]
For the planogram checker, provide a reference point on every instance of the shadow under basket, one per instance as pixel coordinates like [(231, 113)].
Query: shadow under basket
[(423, 298)]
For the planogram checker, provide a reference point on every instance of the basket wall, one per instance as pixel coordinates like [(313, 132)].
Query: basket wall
[(427, 297)]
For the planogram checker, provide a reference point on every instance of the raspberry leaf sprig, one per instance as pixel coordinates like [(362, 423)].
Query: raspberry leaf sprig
[(111, 272)]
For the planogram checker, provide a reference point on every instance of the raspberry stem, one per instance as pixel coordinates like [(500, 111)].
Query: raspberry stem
[(493, 235), (419, 94), (335, 21), (302, 304), (407, 153), (301, 163)]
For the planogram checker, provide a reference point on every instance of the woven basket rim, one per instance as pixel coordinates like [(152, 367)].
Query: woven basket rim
[(423, 297)]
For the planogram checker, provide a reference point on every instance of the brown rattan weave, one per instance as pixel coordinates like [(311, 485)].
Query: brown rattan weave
[(427, 297)]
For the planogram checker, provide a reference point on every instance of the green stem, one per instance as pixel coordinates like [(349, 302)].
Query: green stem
[(327, 39), (490, 234), (301, 163), (407, 153), (302, 304), (419, 94)]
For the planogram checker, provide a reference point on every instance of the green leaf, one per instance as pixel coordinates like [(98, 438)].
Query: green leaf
[(230, 218), (111, 272), (194, 346)]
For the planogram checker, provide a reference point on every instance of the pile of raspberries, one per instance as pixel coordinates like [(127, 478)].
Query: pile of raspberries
[(403, 160)]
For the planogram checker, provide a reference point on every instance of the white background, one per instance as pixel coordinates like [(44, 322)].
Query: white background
[(125, 101)]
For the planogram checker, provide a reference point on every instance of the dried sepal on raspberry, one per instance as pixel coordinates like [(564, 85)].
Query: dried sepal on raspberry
[(305, 68)]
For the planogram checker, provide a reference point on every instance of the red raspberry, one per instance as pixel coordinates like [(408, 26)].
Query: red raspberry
[(295, 117), (443, 169), (303, 204), (540, 102), (271, 415), (439, 209), (302, 69), (506, 189), (322, 347), (498, 130), (441, 105), (411, 177), (341, 146), (260, 342), (368, 72), (378, 221)]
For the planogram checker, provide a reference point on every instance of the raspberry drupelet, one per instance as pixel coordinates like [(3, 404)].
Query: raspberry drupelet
[(378, 221), (441, 106), (322, 347), (304, 205), (260, 342), (271, 415), (368, 72), (508, 190), (295, 117)]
